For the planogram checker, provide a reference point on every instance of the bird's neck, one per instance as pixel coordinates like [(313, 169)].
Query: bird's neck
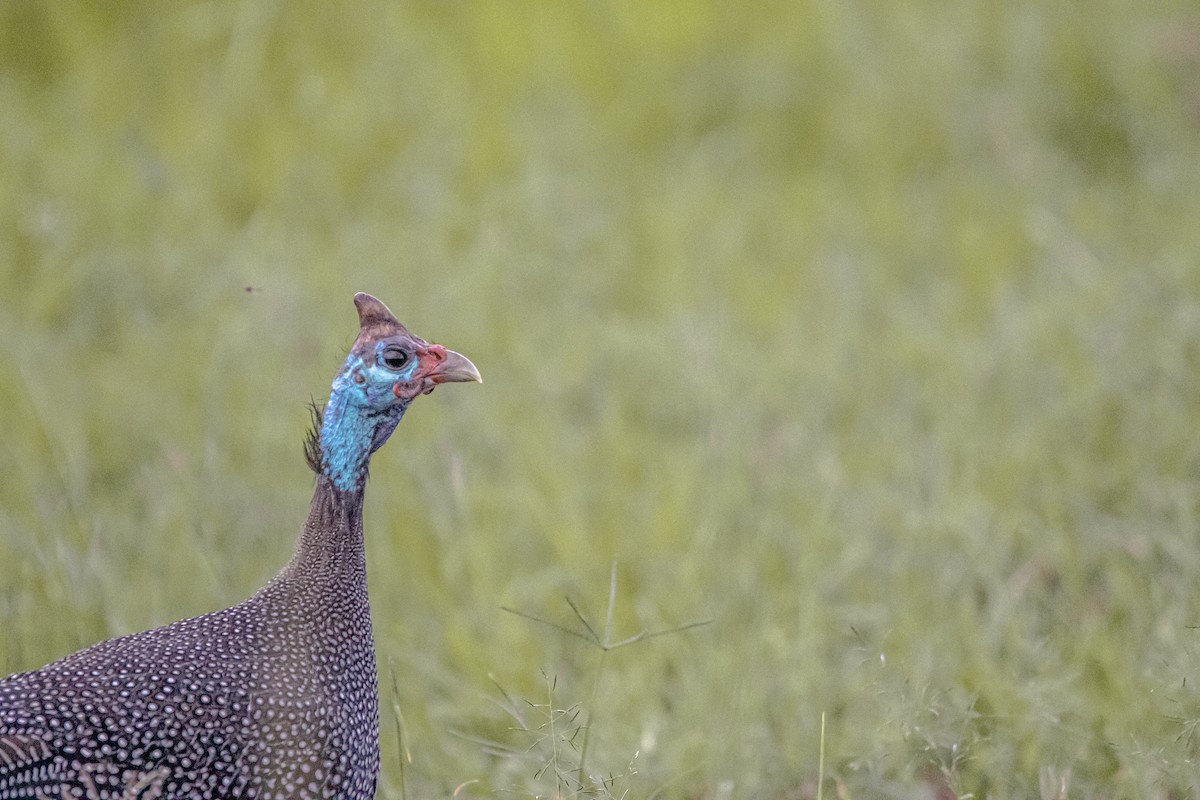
[(330, 548), (351, 430)]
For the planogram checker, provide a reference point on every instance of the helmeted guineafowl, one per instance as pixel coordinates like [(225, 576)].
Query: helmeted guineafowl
[(273, 698)]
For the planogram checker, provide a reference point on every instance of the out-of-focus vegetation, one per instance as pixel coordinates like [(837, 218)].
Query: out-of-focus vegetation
[(870, 332)]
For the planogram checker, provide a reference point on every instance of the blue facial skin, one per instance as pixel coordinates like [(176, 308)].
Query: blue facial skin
[(361, 414)]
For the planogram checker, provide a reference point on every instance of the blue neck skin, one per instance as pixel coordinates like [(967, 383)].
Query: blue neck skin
[(361, 414)]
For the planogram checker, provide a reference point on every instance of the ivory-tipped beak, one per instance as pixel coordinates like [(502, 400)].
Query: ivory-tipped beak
[(455, 368)]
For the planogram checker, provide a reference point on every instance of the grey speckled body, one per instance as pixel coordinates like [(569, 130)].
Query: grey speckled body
[(273, 698)]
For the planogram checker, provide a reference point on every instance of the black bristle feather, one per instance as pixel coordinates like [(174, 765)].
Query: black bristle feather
[(312, 439)]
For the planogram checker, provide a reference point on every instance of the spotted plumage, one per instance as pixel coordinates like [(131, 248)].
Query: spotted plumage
[(273, 698)]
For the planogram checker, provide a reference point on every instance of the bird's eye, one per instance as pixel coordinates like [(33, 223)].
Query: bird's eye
[(394, 358)]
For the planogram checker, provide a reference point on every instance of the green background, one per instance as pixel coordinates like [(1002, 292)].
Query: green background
[(870, 332)]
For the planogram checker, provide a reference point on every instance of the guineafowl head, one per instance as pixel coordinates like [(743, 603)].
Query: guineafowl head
[(386, 369)]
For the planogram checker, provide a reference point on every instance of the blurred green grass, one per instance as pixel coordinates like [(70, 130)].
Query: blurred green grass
[(871, 333)]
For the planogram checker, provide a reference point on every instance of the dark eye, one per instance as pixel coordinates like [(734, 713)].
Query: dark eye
[(394, 357)]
